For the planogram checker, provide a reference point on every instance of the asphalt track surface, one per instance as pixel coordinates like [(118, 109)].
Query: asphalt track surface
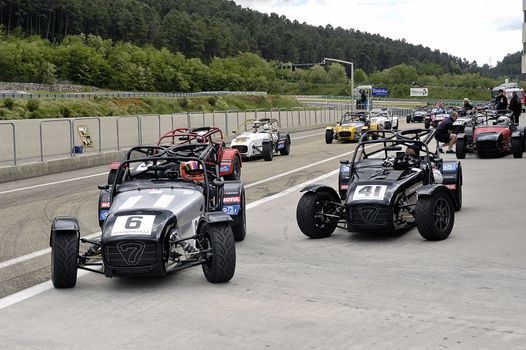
[(347, 291)]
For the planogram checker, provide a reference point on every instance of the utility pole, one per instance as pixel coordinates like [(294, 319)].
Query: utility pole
[(325, 60)]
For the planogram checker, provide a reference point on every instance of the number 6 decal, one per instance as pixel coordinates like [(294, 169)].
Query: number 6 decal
[(133, 225)]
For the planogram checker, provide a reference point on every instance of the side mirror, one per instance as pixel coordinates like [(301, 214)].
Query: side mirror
[(104, 187), (218, 182), (234, 132), (345, 162)]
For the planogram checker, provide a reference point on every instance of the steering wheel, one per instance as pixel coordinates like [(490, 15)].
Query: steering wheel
[(407, 161)]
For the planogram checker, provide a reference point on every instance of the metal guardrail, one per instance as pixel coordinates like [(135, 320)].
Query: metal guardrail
[(90, 95), (14, 139)]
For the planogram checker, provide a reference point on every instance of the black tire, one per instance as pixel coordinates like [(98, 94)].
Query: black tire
[(427, 123), (435, 216), (267, 151), (460, 150), (306, 212), (458, 192), (286, 150), (239, 225), (329, 136), (387, 125), (516, 147), (64, 255), (236, 170), (221, 265), (408, 119)]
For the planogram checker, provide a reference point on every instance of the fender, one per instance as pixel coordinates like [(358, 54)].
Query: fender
[(344, 179), (430, 190), (517, 134), (331, 128), (229, 154), (227, 161), (232, 201), (104, 206), (115, 165), (317, 188), (64, 225), (451, 171)]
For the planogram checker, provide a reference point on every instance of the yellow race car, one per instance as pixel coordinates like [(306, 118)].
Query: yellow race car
[(350, 128)]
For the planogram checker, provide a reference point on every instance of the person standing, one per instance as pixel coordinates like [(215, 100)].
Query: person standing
[(444, 132), (516, 107), (501, 102)]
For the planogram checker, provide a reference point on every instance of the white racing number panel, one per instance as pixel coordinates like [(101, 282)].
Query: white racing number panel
[(133, 225), (370, 192)]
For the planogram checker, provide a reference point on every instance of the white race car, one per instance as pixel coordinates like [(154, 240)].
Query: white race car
[(261, 137), (385, 119)]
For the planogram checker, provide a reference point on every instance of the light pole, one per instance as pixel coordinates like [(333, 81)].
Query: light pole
[(352, 73)]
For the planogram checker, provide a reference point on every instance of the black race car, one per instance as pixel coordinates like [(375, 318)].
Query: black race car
[(166, 213), (387, 188), (417, 116)]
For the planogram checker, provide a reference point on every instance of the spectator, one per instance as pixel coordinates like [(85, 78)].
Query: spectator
[(467, 106), (516, 107), (444, 132), (501, 102)]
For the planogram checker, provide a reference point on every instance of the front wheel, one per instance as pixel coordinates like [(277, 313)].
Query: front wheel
[(64, 254), (408, 119), (329, 136), (267, 151), (516, 147), (461, 149), (221, 265), (310, 218), (435, 216)]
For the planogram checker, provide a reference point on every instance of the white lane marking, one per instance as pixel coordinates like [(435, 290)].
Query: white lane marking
[(40, 288), (20, 259), (53, 183), (300, 168)]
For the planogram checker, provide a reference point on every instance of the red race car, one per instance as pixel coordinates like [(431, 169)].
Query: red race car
[(228, 159), (495, 138)]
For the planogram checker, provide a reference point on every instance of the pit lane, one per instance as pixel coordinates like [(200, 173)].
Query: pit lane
[(346, 291)]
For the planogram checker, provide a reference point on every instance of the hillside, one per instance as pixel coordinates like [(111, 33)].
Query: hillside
[(218, 28)]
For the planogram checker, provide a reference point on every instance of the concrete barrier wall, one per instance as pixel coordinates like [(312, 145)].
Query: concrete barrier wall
[(45, 146)]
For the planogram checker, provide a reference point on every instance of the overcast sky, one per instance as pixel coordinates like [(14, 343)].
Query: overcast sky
[(480, 30)]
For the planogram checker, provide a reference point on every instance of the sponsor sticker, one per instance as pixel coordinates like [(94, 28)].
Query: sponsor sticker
[(103, 214), (369, 192), (133, 225), (232, 199), (449, 167), (224, 168), (344, 186), (231, 209), (105, 205), (452, 186)]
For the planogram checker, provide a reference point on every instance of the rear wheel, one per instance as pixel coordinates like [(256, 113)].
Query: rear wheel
[(435, 216), (64, 254), (516, 147), (310, 218), (387, 125), (236, 170), (267, 151), (427, 123), (285, 150), (461, 149), (239, 225), (221, 265), (408, 119), (329, 136)]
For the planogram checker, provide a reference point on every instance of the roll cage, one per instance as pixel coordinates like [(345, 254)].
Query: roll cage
[(253, 125), (161, 165)]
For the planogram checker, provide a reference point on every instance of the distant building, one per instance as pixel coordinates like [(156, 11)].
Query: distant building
[(524, 38)]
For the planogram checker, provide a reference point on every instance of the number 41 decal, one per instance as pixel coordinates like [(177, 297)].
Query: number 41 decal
[(371, 192)]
